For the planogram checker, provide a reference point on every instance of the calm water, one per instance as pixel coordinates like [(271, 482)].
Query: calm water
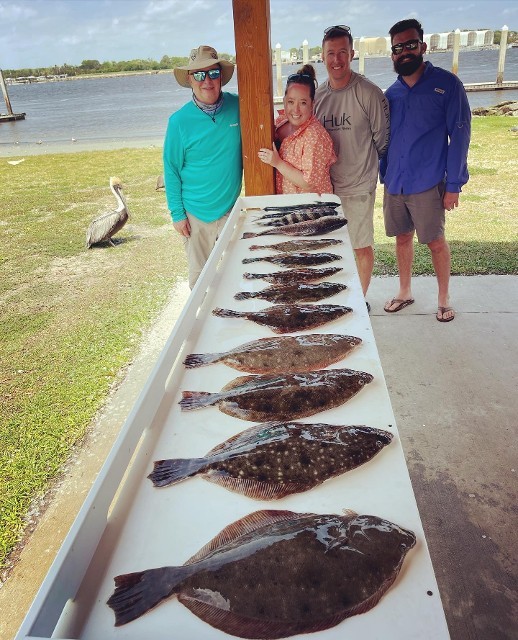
[(133, 110)]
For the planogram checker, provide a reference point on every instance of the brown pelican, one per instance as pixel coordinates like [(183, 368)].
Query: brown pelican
[(107, 225)]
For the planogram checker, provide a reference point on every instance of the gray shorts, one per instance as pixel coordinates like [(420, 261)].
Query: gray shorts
[(359, 211), (422, 212)]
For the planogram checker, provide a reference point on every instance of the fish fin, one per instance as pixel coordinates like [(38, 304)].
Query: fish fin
[(192, 400), (237, 382), (137, 593), (194, 360), (251, 522), (244, 295), (234, 624), (254, 488), (166, 472), (226, 313)]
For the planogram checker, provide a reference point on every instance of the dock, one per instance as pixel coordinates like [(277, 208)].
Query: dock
[(491, 86), (9, 117)]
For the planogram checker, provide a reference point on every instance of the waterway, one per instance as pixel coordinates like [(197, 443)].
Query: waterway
[(132, 111)]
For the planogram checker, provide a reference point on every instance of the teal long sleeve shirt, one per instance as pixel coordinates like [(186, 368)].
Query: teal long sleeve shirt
[(203, 166)]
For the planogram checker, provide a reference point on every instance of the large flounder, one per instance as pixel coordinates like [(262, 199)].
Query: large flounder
[(294, 275), (296, 259), (273, 460), (279, 397), (309, 228), (298, 292), (285, 318), (274, 574), (281, 354)]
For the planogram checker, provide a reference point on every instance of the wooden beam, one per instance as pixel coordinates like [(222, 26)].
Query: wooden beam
[(254, 76)]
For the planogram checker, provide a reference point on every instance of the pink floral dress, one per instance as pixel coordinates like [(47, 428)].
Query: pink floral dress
[(309, 149)]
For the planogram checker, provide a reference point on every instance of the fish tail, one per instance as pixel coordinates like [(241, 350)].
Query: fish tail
[(137, 593), (226, 313), (166, 472), (193, 400), (194, 360), (254, 247), (244, 295), (249, 234), (248, 260), (252, 276)]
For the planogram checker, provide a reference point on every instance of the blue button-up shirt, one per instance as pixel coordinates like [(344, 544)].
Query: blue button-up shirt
[(430, 128)]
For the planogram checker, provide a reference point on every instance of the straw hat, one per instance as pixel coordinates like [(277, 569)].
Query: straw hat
[(201, 58)]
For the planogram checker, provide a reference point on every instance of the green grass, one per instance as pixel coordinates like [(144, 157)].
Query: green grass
[(72, 319)]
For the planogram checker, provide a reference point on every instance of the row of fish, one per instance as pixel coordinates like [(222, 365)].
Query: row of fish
[(276, 573)]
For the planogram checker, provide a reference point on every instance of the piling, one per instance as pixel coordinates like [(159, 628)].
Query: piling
[(501, 57), (456, 47)]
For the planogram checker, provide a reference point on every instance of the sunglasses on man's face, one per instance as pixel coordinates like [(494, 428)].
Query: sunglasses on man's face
[(200, 76), (409, 45)]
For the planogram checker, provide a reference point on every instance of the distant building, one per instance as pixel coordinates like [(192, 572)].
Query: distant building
[(434, 41)]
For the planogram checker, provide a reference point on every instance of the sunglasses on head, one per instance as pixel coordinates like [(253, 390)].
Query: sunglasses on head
[(301, 78), (200, 76), (337, 27), (409, 45)]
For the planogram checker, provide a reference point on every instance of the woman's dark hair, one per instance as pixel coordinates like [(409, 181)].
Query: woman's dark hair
[(305, 75)]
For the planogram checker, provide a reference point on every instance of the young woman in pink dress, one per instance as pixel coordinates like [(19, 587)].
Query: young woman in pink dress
[(305, 148)]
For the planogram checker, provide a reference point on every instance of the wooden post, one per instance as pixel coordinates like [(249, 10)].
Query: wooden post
[(361, 56), (501, 57), (305, 52), (6, 95), (278, 68), (456, 45), (254, 74)]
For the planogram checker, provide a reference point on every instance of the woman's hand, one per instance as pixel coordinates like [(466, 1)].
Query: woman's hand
[(269, 156)]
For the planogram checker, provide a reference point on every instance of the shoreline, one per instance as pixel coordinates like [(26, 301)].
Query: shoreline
[(75, 146)]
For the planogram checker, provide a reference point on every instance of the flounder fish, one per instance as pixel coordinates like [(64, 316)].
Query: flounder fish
[(282, 354), (273, 460), (297, 216), (299, 245), (285, 318), (310, 212), (294, 275), (296, 259), (274, 574), (299, 292), (279, 397), (319, 227)]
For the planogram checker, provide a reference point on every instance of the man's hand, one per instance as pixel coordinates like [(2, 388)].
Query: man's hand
[(450, 200), (183, 227)]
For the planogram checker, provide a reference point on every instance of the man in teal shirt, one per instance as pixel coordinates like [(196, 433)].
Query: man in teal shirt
[(203, 164)]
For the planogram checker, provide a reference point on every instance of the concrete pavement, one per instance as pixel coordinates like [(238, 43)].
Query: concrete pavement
[(453, 390)]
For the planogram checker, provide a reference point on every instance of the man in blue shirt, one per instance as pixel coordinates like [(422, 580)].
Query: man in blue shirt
[(426, 163), (203, 164)]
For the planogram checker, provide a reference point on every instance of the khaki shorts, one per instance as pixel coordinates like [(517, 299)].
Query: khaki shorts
[(359, 211), (422, 212), (200, 244)]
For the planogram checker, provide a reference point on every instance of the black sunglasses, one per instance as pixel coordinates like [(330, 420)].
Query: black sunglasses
[(301, 78), (200, 76), (409, 45), (338, 27)]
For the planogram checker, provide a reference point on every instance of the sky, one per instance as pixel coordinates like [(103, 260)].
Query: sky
[(44, 33)]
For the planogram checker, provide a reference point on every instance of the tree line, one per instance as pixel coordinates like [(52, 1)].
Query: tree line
[(94, 66), (166, 62)]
